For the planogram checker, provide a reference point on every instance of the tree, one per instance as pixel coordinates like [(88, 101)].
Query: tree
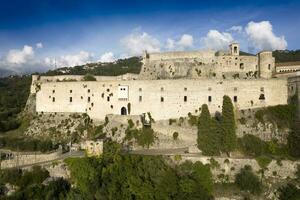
[(246, 180), (228, 125), (208, 133)]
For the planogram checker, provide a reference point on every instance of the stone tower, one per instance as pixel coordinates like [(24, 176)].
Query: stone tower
[(266, 63), (234, 49)]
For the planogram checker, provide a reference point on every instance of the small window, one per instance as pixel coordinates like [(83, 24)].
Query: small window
[(108, 98), (70, 99), (140, 98), (235, 99), (89, 99), (161, 99), (140, 89), (185, 89), (241, 65), (209, 99), (53, 99), (71, 91), (269, 66), (53, 91), (185, 98), (161, 89), (262, 89), (92, 104), (235, 88), (81, 97), (89, 90), (209, 89), (108, 89)]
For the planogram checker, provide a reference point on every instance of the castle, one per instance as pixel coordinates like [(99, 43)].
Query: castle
[(170, 85)]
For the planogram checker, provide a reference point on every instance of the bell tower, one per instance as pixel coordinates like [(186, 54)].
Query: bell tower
[(234, 49)]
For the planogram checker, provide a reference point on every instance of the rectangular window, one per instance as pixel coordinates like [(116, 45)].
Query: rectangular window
[(89, 99), (140, 98), (140, 89), (241, 65), (269, 66), (262, 89), (209, 99), (185, 89), (108, 98), (53, 99), (161, 99), (162, 89), (185, 98), (71, 99), (89, 90), (71, 91), (235, 98), (53, 91)]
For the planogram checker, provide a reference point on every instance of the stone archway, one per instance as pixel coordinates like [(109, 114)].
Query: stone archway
[(123, 111)]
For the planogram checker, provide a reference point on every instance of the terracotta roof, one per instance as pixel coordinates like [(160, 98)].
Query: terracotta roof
[(287, 64)]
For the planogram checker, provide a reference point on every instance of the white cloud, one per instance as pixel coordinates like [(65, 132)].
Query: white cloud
[(136, 42), (261, 36), (20, 56), (185, 41), (216, 40), (39, 45), (238, 29), (170, 44), (69, 60), (107, 57)]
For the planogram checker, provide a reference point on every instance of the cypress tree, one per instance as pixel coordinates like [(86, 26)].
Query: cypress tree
[(207, 133), (228, 125)]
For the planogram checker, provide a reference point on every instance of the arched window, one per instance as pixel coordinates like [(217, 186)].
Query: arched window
[(123, 111)]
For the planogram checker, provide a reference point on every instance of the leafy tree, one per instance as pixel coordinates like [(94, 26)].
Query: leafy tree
[(289, 192), (251, 145), (246, 180), (228, 125)]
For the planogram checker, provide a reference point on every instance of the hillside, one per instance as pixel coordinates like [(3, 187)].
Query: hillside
[(121, 66), (14, 90), (286, 55)]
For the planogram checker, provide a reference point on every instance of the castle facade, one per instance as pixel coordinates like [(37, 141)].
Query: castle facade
[(170, 85)]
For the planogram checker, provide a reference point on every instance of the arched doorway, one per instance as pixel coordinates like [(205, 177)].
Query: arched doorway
[(123, 111)]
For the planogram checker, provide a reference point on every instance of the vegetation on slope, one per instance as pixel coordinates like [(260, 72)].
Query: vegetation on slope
[(219, 134), (121, 66), (286, 56), (14, 92)]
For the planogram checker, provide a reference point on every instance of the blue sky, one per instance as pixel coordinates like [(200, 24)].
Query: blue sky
[(74, 32)]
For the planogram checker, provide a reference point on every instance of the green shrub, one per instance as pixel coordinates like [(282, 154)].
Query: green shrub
[(263, 161), (89, 77), (246, 180), (251, 145)]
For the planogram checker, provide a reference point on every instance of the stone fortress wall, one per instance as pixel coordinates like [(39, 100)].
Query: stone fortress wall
[(170, 85), (164, 99), (207, 64)]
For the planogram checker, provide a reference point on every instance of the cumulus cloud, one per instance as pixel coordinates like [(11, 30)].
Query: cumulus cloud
[(136, 42), (69, 60), (186, 41), (20, 56), (216, 40), (39, 45), (261, 36), (107, 57), (238, 29)]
